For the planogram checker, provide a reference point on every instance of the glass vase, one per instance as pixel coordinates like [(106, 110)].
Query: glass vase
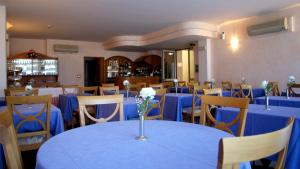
[(287, 93), (267, 103), (141, 136)]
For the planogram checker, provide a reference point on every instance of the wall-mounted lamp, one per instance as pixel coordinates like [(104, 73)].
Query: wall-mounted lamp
[(234, 43), (8, 25)]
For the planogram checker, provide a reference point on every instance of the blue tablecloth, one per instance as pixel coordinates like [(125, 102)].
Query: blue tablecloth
[(279, 101), (67, 104), (174, 104), (261, 121), (129, 107), (2, 101), (113, 145), (56, 122), (179, 90)]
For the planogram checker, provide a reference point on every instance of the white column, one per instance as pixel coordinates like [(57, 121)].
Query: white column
[(203, 58), (3, 81)]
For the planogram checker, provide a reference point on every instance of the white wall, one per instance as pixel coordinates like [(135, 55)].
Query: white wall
[(70, 65), (3, 70), (268, 57)]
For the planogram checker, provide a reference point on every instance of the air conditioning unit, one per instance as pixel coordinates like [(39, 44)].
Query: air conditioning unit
[(279, 25), (65, 48)]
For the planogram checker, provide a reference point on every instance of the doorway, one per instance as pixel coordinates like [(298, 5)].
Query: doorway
[(93, 71)]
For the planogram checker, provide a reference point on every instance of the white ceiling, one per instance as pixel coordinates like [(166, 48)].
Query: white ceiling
[(98, 20)]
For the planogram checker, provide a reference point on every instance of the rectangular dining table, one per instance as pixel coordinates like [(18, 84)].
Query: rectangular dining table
[(56, 122), (260, 121), (279, 101)]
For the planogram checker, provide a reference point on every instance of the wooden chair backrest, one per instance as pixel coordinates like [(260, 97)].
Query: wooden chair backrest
[(226, 85), (248, 93), (197, 92), (208, 83), (182, 83), (53, 84), (21, 92), (108, 85), (214, 91), (160, 91), (199, 89), (8, 139), (292, 92), (275, 88), (156, 86), (65, 89), (167, 84), (241, 103), (92, 90), (84, 101), (45, 100), (235, 150), (160, 105), (114, 88)]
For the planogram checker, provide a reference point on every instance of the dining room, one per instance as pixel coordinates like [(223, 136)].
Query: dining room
[(136, 84)]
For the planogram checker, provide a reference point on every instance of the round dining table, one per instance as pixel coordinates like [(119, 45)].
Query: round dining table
[(113, 145)]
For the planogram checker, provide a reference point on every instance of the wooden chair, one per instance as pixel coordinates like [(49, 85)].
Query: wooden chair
[(246, 91), (156, 86), (8, 139), (34, 92), (194, 111), (235, 150), (227, 85), (108, 85), (208, 84), (214, 91), (182, 83), (53, 84), (191, 85), (31, 140), (114, 88), (236, 90), (293, 92), (84, 101), (167, 84), (160, 106), (275, 88), (92, 90), (138, 86), (241, 103), (73, 89)]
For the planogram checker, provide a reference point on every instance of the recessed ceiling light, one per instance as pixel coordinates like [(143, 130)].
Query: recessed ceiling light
[(171, 53)]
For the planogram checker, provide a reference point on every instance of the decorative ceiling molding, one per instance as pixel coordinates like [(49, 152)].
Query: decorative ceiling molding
[(174, 32)]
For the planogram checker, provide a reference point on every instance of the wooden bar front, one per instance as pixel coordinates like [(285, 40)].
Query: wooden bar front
[(137, 79)]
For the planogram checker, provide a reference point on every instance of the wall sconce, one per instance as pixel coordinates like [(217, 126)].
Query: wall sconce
[(8, 25), (234, 43)]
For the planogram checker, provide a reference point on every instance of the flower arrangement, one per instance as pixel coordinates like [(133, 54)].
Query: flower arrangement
[(126, 84), (28, 89), (267, 87), (143, 100), (291, 81)]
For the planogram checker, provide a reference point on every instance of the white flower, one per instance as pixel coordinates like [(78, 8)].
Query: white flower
[(147, 92), (264, 84), (292, 79), (28, 88), (125, 82), (175, 81)]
